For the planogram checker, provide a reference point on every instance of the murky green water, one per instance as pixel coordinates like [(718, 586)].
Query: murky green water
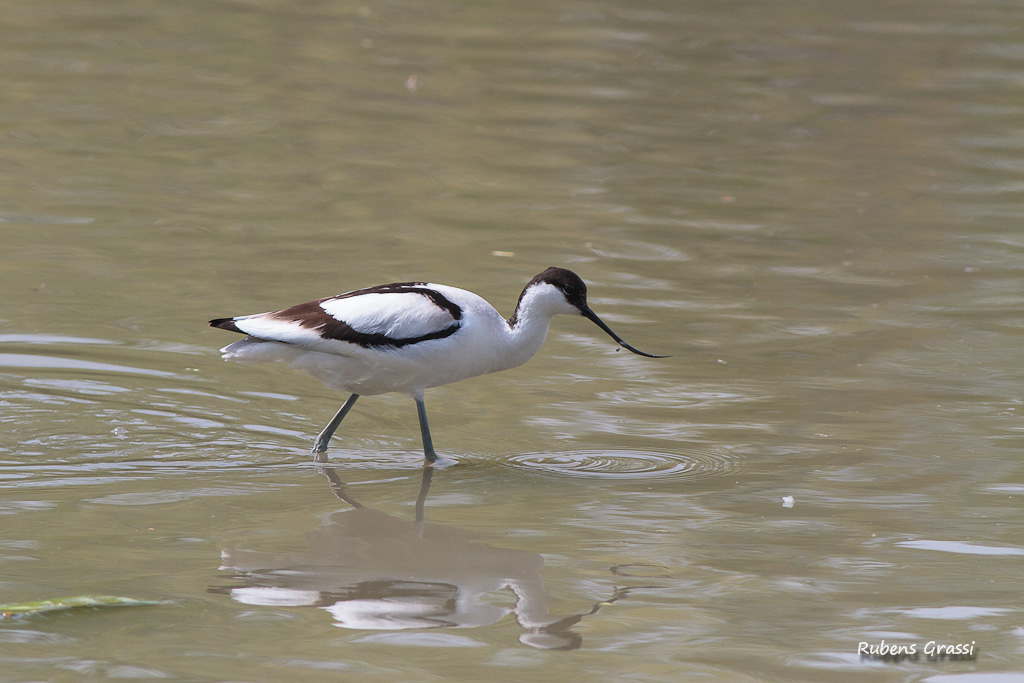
[(815, 207)]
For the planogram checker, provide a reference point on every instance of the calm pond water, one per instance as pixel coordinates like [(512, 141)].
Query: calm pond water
[(816, 208)]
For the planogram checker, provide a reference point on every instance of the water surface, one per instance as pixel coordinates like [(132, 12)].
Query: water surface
[(815, 208)]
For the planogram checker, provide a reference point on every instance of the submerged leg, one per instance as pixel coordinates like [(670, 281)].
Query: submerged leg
[(428, 445), (320, 445)]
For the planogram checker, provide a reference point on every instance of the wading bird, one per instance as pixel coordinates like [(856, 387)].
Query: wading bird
[(407, 337)]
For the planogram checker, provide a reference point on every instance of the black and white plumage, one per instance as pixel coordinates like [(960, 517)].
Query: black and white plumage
[(407, 337)]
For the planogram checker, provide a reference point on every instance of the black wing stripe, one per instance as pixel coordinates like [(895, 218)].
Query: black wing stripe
[(439, 300), (312, 316), (330, 328)]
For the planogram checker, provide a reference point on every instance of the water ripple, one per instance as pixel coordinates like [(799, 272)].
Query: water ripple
[(695, 464), (25, 360)]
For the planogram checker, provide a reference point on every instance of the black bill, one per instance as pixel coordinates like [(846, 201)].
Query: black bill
[(587, 313)]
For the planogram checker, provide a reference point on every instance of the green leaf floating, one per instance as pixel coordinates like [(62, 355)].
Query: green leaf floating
[(27, 609)]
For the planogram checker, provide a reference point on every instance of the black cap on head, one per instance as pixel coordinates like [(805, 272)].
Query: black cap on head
[(570, 283), (575, 291)]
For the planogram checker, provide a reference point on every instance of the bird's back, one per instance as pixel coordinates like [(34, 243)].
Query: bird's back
[(401, 337)]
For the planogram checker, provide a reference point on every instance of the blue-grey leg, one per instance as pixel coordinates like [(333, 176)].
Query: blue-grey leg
[(320, 445), (428, 444)]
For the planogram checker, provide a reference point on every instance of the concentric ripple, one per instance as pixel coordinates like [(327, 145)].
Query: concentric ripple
[(693, 464)]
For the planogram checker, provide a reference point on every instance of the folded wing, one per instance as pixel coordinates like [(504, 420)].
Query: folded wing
[(389, 316)]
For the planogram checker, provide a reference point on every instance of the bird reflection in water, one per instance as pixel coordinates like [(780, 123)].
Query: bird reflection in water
[(377, 572)]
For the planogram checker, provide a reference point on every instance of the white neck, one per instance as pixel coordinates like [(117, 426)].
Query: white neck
[(528, 326)]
